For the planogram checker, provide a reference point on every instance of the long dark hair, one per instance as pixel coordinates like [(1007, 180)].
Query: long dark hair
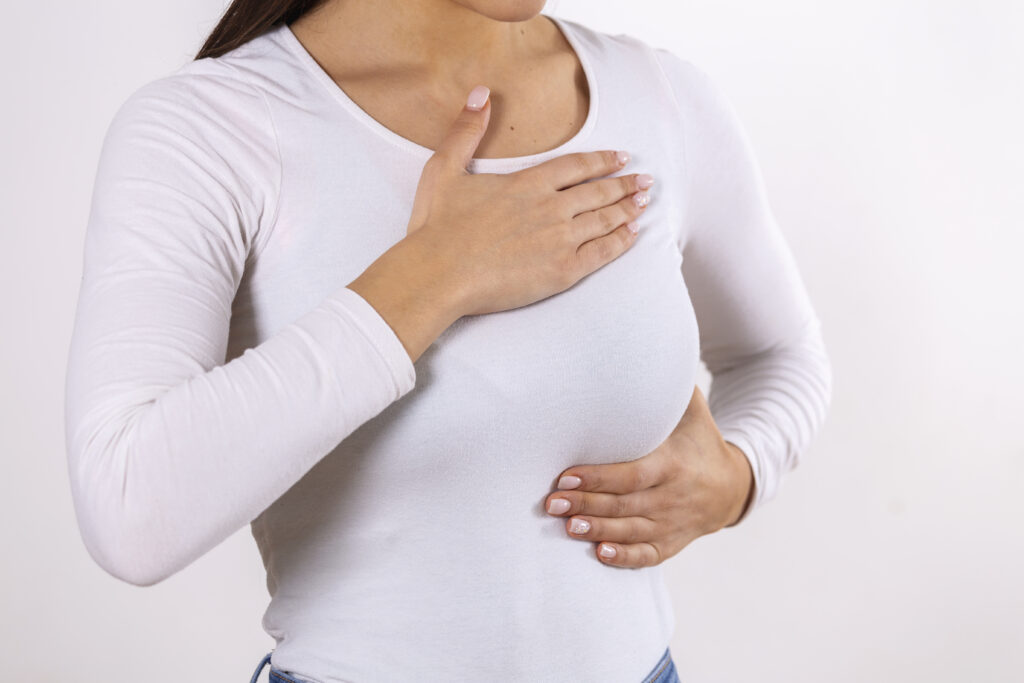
[(244, 20)]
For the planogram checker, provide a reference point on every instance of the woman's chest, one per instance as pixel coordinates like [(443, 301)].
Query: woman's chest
[(619, 347)]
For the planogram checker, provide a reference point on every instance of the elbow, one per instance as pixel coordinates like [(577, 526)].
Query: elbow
[(132, 562), (120, 543), (118, 552), (119, 532), (128, 566)]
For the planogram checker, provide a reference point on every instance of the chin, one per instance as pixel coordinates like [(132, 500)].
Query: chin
[(505, 10)]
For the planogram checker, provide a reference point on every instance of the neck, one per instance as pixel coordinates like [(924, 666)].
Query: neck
[(439, 41)]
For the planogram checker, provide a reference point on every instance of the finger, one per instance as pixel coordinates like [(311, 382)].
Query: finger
[(598, 504), (602, 250), (604, 192), (625, 530), (465, 132), (575, 167), (619, 477), (634, 555), (591, 225)]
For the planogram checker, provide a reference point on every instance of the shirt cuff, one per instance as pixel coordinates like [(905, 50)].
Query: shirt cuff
[(382, 337)]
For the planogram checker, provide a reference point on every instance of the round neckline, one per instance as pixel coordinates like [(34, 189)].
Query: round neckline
[(476, 165)]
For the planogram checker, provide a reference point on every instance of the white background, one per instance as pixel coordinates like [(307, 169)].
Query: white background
[(889, 135)]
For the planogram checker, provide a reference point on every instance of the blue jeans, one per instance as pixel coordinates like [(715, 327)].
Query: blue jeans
[(663, 672)]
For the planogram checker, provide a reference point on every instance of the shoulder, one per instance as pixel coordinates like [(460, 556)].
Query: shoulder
[(612, 50), (208, 100), (221, 101), (203, 133), (696, 92), (689, 84), (207, 113)]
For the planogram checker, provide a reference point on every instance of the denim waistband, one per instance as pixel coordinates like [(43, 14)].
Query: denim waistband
[(663, 672)]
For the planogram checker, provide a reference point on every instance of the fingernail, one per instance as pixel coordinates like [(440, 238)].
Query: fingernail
[(569, 482), (607, 551), (558, 505), (644, 180), (477, 97), (623, 158), (579, 526), (633, 226), (642, 198)]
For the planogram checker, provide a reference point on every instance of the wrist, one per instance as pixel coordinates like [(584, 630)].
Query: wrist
[(430, 274), (412, 295)]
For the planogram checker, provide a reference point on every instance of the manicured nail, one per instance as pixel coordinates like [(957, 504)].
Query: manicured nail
[(558, 505), (644, 180), (607, 551), (569, 482), (633, 226), (477, 97), (623, 158), (579, 526), (642, 198)]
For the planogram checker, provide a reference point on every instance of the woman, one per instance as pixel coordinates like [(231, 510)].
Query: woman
[(326, 295)]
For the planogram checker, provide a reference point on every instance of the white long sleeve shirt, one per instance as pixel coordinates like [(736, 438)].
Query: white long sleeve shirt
[(221, 374)]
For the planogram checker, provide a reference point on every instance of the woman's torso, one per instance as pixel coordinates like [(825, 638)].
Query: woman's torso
[(418, 548)]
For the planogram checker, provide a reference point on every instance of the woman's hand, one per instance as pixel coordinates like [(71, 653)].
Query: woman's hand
[(649, 509), (507, 240)]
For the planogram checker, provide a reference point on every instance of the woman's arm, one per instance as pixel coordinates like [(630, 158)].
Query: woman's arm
[(760, 337), (170, 450)]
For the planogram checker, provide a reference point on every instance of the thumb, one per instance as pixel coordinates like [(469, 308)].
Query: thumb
[(457, 148)]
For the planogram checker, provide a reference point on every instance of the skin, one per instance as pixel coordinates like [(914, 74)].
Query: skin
[(410, 63), (405, 62)]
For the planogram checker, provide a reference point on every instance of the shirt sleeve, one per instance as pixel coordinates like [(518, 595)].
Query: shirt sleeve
[(170, 449), (760, 337)]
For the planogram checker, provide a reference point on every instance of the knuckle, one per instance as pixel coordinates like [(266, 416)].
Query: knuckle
[(677, 469), (583, 163), (630, 205), (469, 124), (638, 477), (611, 191), (607, 220), (552, 205), (659, 503), (603, 249), (566, 270), (580, 506), (527, 181), (625, 238), (681, 468), (621, 506)]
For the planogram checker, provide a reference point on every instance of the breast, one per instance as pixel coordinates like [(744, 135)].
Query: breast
[(599, 373), (604, 369)]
